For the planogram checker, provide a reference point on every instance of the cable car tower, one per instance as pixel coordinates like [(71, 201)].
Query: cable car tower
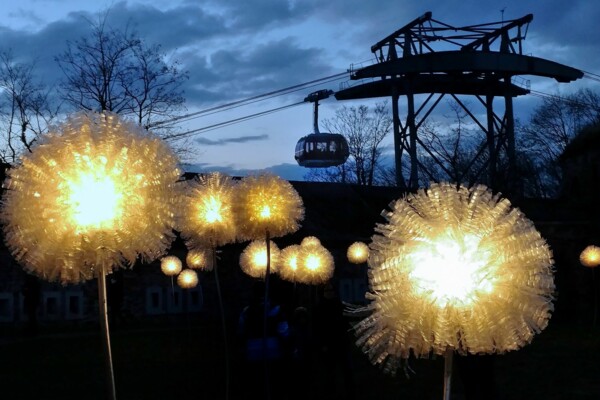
[(479, 60), (321, 150)]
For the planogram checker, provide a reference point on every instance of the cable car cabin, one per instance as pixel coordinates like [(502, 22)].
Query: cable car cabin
[(321, 150)]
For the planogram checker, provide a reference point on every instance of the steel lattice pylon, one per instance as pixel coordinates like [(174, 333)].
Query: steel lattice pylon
[(477, 60)]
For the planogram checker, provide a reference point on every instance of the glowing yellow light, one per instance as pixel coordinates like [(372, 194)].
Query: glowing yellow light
[(199, 259), (358, 252), (452, 271), (288, 262), (267, 203), (454, 268), (187, 279), (253, 259), (310, 240), (206, 218), (590, 256), (170, 265), (95, 191), (315, 264), (94, 201), (265, 212)]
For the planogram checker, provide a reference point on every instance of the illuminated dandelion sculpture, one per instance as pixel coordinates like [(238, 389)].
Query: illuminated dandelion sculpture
[(170, 265), (254, 260), (315, 264), (310, 240), (590, 256), (288, 262), (95, 194), (200, 259), (454, 270), (357, 253), (207, 220), (187, 279)]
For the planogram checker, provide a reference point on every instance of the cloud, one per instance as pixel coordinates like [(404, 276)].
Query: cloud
[(221, 142)]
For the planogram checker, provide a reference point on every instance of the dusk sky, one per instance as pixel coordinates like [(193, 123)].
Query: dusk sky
[(237, 49)]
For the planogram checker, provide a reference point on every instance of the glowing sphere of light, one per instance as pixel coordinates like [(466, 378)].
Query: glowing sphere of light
[(267, 203), (170, 265), (200, 258), (310, 240), (454, 268), (207, 216), (315, 265), (288, 262), (253, 259), (358, 252), (95, 191), (187, 279), (590, 256)]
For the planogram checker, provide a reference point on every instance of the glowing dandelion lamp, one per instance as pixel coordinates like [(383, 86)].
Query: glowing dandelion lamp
[(454, 270), (94, 194), (200, 259), (206, 222), (315, 263), (187, 279), (358, 253), (590, 257)]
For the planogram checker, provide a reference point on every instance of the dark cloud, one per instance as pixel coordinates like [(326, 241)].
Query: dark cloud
[(241, 139)]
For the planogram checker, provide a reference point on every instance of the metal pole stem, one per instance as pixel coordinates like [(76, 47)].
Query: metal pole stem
[(103, 311), (266, 314), (448, 372), (223, 324)]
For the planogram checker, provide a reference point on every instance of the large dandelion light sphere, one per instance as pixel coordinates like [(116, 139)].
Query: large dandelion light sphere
[(207, 218), (96, 192), (454, 269), (253, 259), (267, 203)]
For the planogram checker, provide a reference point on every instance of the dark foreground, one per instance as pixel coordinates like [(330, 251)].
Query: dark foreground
[(184, 358)]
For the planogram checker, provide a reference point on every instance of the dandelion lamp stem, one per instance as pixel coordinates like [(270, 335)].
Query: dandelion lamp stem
[(103, 311), (265, 316), (448, 372), (223, 325)]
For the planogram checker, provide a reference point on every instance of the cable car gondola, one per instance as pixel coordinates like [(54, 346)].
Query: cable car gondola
[(321, 150)]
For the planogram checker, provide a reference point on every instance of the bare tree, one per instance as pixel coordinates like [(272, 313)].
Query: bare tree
[(365, 130), (114, 70), (551, 128), (25, 108)]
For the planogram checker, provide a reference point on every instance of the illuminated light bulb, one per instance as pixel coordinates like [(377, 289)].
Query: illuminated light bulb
[(94, 200), (170, 265), (265, 212), (454, 268), (357, 253), (187, 279), (590, 256)]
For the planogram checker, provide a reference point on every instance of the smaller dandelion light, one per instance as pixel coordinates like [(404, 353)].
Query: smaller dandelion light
[(288, 262), (590, 256), (170, 265), (200, 259), (357, 253), (315, 264), (187, 279), (253, 259), (310, 241)]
